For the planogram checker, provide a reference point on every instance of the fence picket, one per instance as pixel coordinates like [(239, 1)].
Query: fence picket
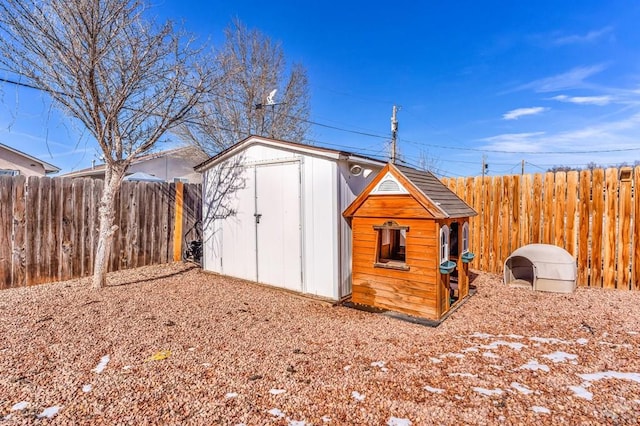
[(48, 227)]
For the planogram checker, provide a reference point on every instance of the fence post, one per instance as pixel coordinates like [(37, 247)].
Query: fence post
[(177, 225)]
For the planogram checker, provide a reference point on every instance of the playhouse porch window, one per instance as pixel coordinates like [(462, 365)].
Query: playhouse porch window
[(444, 244), (391, 246), (465, 237)]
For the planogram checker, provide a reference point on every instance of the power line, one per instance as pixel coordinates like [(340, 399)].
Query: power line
[(420, 144)]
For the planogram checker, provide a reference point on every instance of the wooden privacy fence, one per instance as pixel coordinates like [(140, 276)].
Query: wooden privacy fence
[(593, 214), (48, 226)]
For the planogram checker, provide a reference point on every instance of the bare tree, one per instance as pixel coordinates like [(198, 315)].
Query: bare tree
[(127, 80), (259, 95)]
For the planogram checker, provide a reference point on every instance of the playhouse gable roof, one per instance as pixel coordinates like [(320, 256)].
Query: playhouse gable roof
[(438, 200)]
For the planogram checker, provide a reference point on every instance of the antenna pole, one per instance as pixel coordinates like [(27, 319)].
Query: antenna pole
[(484, 165), (394, 134)]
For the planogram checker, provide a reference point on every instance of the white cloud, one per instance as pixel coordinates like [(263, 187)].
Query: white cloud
[(585, 100), (586, 38), (568, 80), (521, 112)]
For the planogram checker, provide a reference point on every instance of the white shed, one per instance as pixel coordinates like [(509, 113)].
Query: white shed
[(286, 227)]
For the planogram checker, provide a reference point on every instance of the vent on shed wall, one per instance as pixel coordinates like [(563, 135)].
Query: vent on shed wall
[(389, 185)]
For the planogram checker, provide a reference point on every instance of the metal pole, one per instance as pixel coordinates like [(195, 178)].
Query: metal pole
[(394, 134)]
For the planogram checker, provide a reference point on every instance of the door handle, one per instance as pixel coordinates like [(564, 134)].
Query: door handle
[(257, 216)]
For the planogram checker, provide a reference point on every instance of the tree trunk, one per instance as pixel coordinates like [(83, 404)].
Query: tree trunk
[(106, 228)]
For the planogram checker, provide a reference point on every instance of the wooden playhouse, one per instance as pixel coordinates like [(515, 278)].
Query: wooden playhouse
[(410, 244)]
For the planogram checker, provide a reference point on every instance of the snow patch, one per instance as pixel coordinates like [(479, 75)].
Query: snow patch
[(490, 355), (102, 364), (462, 375), (325, 419), (378, 364), (51, 411), (346, 368), (433, 390), (206, 364), (20, 406), (534, 365), (539, 409), (521, 388), (277, 391), (582, 341), (357, 396), (551, 340), (559, 356), (488, 392), (87, 388), (581, 392), (435, 360), (191, 349), (610, 375), (127, 367), (231, 395), (482, 335), (275, 412), (296, 422), (513, 345), (396, 421)]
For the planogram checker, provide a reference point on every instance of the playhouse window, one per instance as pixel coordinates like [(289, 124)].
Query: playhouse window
[(465, 237), (391, 246), (444, 244)]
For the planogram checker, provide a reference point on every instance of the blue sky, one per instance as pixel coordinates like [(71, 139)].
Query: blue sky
[(548, 82)]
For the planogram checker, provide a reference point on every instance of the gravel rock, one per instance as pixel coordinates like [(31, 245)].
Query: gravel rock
[(231, 337)]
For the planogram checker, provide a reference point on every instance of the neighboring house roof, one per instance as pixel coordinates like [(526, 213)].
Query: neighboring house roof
[(426, 188), (98, 170), (287, 146), (48, 168)]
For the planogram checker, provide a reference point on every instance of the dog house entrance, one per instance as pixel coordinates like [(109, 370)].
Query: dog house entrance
[(519, 272)]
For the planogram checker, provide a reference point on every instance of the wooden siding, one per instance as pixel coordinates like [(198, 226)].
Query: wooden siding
[(413, 292), (394, 206)]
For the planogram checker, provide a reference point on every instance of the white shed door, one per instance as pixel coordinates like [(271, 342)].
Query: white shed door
[(278, 225)]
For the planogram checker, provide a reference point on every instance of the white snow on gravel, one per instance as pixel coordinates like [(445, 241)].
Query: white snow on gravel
[(325, 419), (513, 345), (559, 356), (396, 421), (102, 364), (378, 364), (87, 388), (462, 375), (452, 355), (277, 391), (581, 392), (471, 349), (488, 392), (539, 409), (346, 368), (481, 335), (357, 396), (610, 375), (433, 390), (296, 422), (20, 406), (551, 340), (490, 355), (231, 395), (582, 341), (435, 360), (275, 412), (50, 412), (521, 388), (534, 365)]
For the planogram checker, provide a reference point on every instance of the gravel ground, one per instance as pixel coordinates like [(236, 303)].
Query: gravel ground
[(240, 353)]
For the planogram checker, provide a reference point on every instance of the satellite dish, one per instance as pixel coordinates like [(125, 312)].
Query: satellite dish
[(271, 98)]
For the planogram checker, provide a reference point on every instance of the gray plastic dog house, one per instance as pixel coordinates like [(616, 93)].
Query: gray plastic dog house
[(544, 267)]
